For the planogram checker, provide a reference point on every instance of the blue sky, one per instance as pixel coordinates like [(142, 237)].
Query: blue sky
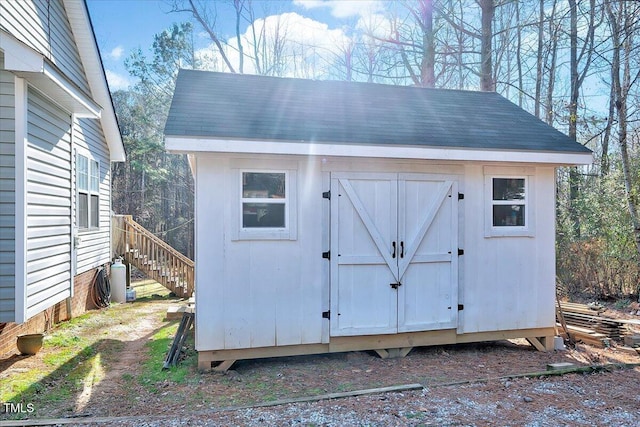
[(122, 26)]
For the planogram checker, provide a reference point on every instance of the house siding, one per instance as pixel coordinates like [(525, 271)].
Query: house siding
[(7, 195), (81, 302), (94, 245), (44, 26), (48, 204)]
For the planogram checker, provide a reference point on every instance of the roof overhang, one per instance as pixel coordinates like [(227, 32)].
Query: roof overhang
[(90, 55), (44, 76), (183, 144)]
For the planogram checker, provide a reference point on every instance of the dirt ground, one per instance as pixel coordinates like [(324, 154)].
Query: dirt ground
[(462, 385)]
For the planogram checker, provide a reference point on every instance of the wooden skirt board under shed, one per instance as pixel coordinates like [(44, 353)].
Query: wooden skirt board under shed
[(222, 360)]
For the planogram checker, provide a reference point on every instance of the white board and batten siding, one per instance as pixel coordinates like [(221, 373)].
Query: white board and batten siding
[(44, 26), (7, 195), (48, 204), (272, 292), (263, 292), (514, 275)]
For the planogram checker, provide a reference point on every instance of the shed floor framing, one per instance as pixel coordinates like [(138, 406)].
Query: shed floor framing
[(222, 360)]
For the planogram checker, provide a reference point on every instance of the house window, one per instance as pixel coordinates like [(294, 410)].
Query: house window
[(509, 202), (264, 200), (87, 183)]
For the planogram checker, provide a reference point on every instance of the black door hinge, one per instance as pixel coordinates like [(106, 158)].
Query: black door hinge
[(326, 314), (460, 196), (326, 195), (460, 252), (460, 307), (326, 255)]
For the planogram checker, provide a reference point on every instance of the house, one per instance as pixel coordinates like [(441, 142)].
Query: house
[(58, 137), (338, 216)]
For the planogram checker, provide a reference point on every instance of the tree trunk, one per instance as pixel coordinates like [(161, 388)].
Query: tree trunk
[(238, 5), (553, 53), (573, 112), (429, 49), (519, 56), (486, 68), (539, 65)]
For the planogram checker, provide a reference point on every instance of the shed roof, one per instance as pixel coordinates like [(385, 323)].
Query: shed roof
[(248, 107)]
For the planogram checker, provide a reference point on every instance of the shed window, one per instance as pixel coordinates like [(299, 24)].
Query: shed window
[(88, 187), (508, 202), (264, 200)]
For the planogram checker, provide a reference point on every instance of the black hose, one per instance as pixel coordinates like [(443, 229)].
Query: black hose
[(101, 290)]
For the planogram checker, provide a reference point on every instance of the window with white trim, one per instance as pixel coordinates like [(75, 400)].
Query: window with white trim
[(88, 193), (264, 200), (265, 206), (508, 202)]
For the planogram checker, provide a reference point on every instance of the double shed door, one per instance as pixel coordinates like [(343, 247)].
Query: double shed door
[(394, 260)]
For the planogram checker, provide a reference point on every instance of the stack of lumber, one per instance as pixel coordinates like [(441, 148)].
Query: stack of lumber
[(585, 323)]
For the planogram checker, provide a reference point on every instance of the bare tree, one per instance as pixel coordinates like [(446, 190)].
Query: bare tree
[(201, 12), (487, 83), (577, 77), (549, 63), (484, 35), (623, 21)]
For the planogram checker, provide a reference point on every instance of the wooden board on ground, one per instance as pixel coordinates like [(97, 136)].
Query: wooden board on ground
[(589, 336), (175, 312), (591, 319)]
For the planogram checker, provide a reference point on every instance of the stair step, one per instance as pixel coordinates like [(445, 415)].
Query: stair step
[(172, 273)]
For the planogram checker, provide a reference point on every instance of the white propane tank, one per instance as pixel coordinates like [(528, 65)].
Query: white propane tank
[(118, 281)]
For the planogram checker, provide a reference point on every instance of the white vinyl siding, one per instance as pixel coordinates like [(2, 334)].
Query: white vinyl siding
[(7, 195), (48, 204), (43, 26), (93, 248)]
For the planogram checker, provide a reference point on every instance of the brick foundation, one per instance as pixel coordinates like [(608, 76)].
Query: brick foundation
[(81, 302)]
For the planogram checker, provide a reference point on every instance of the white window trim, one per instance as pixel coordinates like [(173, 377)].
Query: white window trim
[(528, 230), (88, 191), (289, 232)]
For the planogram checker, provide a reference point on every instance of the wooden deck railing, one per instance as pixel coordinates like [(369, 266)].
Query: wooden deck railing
[(154, 257)]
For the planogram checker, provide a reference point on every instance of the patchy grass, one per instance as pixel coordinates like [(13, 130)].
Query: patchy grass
[(149, 289), (152, 376), (76, 356)]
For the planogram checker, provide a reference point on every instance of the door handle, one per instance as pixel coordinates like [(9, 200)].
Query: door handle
[(401, 249), (393, 255)]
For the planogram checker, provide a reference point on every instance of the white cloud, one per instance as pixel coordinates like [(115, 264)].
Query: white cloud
[(343, 8), (288, 45), (116, 52), (116, 81)]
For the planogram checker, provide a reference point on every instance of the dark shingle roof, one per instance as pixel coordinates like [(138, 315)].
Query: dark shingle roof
[(233, 106)]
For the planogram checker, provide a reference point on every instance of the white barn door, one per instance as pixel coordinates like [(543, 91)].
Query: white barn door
[(428, 266), (364, 218), (393, 253)]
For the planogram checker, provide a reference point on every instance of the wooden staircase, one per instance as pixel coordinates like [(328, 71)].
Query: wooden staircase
[(154, 257)]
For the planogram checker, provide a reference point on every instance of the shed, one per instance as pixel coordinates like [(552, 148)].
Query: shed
[(337, 216)]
